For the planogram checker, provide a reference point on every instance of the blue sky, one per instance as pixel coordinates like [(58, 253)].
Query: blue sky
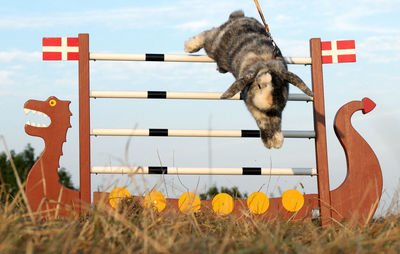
[(162, 27)]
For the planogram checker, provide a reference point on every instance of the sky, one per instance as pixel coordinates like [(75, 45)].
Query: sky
[(163, 27)]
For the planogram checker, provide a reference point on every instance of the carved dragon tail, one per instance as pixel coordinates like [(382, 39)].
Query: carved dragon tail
[(358, 197)]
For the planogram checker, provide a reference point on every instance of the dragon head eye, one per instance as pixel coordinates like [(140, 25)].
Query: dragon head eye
[(52, 103)]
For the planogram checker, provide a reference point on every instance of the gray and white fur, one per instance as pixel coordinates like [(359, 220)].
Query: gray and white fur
[(243, 47)]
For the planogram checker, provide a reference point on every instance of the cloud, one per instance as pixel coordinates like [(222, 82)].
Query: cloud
[(382, 43), (7, 80), (194, 25), (4, 75), (363, 18), (283, 18), (20, 56), (294, 48), (128, 16), (135, 17), (172, 14), (380, 49), (178, 76)]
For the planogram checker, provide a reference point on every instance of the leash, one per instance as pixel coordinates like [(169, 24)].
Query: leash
[(262, 16), (266, 27)]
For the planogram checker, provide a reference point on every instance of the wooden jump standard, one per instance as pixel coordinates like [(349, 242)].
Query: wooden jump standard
[(356, 199)]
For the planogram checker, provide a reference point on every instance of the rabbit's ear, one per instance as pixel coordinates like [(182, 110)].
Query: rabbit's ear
[(238, 85), (236, 14), (296, 81)]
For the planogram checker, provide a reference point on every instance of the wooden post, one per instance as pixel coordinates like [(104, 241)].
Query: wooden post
[(320, 130), (84, 119)]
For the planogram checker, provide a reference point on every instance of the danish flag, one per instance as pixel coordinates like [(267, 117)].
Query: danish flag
[(60, 48), (338, 51)]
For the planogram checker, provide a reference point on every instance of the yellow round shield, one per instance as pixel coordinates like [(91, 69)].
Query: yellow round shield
[(258, 202), (189, 203), (292, 200), (156, 200), (116, 195), (222, 204)]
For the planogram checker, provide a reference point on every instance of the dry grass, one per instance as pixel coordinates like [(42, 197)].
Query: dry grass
[(133, 229)]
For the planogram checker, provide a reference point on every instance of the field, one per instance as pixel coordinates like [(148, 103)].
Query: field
[(134, 229)]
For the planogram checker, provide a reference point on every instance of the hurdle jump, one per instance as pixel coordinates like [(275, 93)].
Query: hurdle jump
[(356, 199), (318, 106)]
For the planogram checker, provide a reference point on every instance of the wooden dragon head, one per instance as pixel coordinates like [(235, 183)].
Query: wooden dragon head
[(58, 112)]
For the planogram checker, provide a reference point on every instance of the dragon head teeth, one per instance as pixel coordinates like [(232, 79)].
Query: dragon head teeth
[(27, 110), (43, 125)]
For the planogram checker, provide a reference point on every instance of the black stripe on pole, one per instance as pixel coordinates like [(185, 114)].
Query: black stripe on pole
[(251, 171), (250, 133), (158, 132), (156, 94), (158, 170), (154, 57)]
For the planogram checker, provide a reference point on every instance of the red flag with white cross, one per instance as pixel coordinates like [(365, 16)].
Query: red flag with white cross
[(338, 51), (60, 48)]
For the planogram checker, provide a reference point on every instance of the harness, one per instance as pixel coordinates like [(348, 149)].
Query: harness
[(243, 93)]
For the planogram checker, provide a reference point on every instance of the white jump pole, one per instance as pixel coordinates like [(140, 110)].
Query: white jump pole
[(178, 95), (195, 133), (204, 171), (175, 58)]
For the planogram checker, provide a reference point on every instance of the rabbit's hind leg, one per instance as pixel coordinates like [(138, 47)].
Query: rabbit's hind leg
[(195, 43)]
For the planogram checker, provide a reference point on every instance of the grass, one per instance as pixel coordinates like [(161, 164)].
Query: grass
[(131, 228), (134, 229)]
